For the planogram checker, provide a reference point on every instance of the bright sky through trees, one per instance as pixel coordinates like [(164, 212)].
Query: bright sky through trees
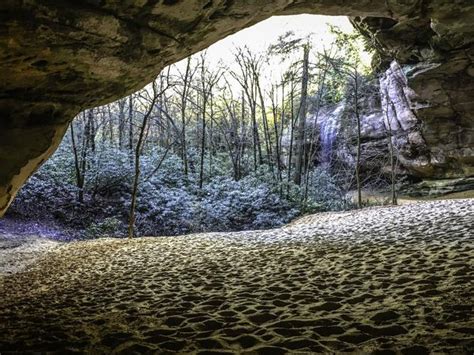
[(260, 36), (265, 33)]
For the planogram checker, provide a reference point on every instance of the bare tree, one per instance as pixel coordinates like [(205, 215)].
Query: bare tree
[(87, 148), (278, 133), (301, 132), (248, 63), (79, 164), (152, 99), (293, 119), (233, 129), (208, 80), (323, 66), (184, 92), (121, 124), (390, 105), (348, 65), (130, 126)]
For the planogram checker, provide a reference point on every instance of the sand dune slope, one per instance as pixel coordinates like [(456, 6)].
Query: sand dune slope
[(380, 280)]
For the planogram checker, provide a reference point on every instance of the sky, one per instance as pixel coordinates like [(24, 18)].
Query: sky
[(265, 33), (260, 36)]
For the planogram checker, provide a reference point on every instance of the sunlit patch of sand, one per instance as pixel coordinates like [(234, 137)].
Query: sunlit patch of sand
[(384, 279), (378, 198), (17, 253)]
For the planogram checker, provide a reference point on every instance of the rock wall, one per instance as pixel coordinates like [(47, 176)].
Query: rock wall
[(435, 139), (58, 57), (425, 148), (435, 82), (400, 120), (374, 138)]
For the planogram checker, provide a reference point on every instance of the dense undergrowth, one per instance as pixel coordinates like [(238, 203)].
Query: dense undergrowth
[(169, 202), (213, 148)]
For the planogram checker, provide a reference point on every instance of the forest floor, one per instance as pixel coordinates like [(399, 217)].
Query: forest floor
[(381, 279)]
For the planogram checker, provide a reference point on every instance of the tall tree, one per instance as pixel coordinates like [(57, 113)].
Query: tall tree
[(323, 67), (390, 107), (183, 91), (303, 111), (130, 125), (292, 122), (208, 80), (285, 47), (248, 63), (150, 100), (121, 125), (350, 66), (79, 163)]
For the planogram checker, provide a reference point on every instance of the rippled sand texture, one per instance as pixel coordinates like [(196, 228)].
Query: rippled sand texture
[(377, 280)]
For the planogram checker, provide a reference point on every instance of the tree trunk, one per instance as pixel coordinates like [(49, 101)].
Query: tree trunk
[(203, 125), (277, 139), (91, 132), (121, 127), (357, 116), (301, 138), (292, 130), (392, 157), (312, 149), (211, 137), (138, 148), (242, 138), (130, 127), (111, 126), (203, 145), (256, 143), (79, 175), (184, 98), (266, 130)]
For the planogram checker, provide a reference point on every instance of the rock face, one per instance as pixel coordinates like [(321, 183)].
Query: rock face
[(439, 187), (434, 84), (394, 110), (58, 57), (401, 121), (439, 135), (336, 139)]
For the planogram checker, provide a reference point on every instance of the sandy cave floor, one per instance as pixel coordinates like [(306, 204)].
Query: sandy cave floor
[(381, 280)]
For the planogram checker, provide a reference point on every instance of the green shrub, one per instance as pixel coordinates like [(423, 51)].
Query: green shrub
[(109, 227)]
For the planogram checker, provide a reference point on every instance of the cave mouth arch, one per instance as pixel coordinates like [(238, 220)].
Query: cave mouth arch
[(60, 58)]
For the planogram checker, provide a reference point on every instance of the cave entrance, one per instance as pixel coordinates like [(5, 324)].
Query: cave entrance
[(217, 136), (88, 54)]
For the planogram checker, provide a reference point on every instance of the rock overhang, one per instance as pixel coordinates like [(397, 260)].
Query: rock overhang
[(58, 57)]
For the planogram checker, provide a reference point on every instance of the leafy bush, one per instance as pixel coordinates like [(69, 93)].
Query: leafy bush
[(109, 227), (245, 204), (109, 175), (49, 192), (324, 192), (168, 202), (164, 210)]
